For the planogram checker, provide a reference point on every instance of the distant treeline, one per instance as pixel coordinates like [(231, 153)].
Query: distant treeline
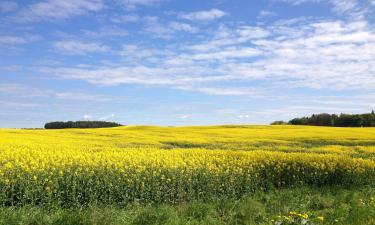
[(80, 124), (342, 120)]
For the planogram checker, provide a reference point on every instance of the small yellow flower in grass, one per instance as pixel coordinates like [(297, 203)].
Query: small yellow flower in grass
[(321, 218)]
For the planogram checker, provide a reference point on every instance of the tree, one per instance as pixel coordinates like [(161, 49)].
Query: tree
[(279, 122), (343, 120), (80, 124)]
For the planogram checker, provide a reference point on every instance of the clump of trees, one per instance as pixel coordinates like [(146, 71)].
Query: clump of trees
[(80, 124), (279, 122), (342, 120)]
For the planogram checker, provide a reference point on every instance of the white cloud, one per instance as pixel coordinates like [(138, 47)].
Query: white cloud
[(133, 4), (8, 6), (333, 55), (227, 54), (229, 91), (24, 91), (125, 18), (104, 118), (87, 117), (56, 9), (78, 47), (252, 32), (298, 2), (203, 15), (354, 8), (106, 32), (184, 116), (182, 27), (12, 40), (18, 105), (266, 13), (167, 30)]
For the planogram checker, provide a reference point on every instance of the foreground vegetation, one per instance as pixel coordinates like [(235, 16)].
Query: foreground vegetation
[(176, 168), (320, 206)]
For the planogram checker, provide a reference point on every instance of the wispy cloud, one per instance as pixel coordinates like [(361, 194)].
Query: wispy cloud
[(355, 8), (103, 118), (125, 18), (167, 30), (294, 54), (182, 27), (8, 6), (78, 47), (57, 10), (107, 117), (246, 116), (266, 13), (133, 4), (24, 91), (106, 32), (229, 91), (186, 116), (87, 117), (203, 15), (12, 40)]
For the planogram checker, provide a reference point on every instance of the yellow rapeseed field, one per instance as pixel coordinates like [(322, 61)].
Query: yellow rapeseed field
[(174, 164)]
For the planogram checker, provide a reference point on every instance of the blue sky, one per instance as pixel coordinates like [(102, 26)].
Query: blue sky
[(181, 62)]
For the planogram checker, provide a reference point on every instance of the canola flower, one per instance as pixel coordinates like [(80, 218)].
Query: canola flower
[(151, 164)]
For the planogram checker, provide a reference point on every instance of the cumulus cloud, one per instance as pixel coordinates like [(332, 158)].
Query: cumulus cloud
[(203, 15)]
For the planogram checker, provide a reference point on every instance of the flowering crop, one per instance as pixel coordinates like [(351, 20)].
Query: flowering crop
[(151, 164)]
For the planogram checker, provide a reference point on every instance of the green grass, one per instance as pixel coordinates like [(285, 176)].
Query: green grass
[(336, 205)]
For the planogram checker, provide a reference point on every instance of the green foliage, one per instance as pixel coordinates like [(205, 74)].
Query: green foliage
[(322, 205), (343, 120), (279, 122), (80, 124)]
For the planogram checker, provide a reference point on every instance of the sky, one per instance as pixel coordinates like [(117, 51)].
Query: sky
[(184, 62)]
